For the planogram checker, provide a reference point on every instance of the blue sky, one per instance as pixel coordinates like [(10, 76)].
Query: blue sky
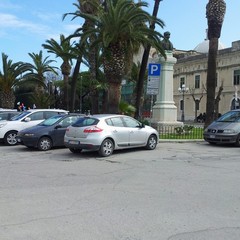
[(26, 24)]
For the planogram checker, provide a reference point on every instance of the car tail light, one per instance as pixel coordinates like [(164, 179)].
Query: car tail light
[(92, 129)]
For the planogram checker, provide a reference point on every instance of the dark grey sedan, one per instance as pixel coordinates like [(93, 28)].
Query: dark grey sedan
[(225, 129), (47, 134)]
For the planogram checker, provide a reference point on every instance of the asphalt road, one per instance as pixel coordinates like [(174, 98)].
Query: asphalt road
[(180, 191)]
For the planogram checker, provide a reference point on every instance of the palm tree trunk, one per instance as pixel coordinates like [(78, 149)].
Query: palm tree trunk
[(140, 82), (211, 80), (114, 97)]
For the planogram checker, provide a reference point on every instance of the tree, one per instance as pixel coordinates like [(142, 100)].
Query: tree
[(66, 52), (11, 76), (140, 83), (120, 29), (86, 7), (40, 66), (215, 12)]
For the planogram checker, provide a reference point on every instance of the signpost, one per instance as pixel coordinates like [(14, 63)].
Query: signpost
[(154, 71)]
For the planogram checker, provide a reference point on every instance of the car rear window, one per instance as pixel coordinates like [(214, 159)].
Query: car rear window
[(82, 122)]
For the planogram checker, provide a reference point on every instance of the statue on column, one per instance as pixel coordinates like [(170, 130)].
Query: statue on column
[(166, 43)]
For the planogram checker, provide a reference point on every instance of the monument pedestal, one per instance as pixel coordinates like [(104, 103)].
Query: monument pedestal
[(164, 111)]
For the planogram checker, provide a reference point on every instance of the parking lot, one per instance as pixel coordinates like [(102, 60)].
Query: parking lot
[(187, 191)]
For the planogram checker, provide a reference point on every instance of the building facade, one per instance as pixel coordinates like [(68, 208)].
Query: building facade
[(191, 71)]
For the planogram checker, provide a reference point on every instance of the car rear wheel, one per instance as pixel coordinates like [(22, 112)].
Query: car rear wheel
[(10, 138), (45, 144), (152, 142), (237, 143), (75, 150), (106, 148)]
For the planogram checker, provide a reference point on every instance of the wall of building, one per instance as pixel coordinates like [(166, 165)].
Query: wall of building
[(189, 66)]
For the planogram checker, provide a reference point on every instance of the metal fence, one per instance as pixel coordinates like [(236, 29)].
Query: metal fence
[(187, 131)]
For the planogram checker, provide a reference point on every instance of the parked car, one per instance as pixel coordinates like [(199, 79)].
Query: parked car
[(29, 118), (7, 115), (225, 129), (47, 134), (106, 133)]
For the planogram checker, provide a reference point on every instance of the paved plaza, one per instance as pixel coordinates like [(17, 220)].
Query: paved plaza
[(180, 191)]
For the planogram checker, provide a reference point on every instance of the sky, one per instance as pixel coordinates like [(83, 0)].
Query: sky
[(26, 24)]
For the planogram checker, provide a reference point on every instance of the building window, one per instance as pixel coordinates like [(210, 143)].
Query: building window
[(197, 103), (197, 81), (182, 81), (236, 77)]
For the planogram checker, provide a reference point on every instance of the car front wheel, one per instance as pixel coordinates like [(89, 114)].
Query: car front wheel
[(106, 148), (45, 144), (10, 138), (152, 142)]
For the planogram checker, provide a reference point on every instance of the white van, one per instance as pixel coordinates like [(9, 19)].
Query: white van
[(29, 118)]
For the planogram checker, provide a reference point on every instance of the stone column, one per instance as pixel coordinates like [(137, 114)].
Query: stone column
[(164, 110)]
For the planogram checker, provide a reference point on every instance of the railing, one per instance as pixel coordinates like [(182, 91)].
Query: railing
[(187, 131)]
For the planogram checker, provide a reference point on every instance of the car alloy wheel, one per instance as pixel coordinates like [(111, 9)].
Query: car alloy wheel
[(45, 144), (106, 148), (152, 142), (10, 138)]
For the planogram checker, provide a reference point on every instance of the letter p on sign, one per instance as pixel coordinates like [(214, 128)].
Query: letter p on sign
[(154, 69)]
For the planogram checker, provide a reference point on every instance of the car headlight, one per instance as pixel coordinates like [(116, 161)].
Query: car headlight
[(229, 131), (28, 134), (2, 124)]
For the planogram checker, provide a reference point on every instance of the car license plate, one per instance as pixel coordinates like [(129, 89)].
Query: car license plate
[(73, 142), (212, 136)]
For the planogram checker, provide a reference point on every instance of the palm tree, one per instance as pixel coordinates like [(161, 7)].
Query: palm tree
[(10, 77), (120, 28), (145, 57), (66, 52), (215, 12), (40, 67), (91, 55)]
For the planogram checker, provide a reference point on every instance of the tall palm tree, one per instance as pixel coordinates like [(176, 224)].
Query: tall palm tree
[(86, 7), (10, 77), (140, 83), (66, 52), (40, 67), (120, 28), (215, 12)]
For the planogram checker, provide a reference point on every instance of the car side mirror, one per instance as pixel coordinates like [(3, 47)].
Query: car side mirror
[(27, 119)]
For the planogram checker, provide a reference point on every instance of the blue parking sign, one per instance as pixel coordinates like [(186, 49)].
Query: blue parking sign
[(154, 69)]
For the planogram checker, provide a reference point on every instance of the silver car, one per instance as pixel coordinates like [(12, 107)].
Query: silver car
[(225, 129), (107, 132)]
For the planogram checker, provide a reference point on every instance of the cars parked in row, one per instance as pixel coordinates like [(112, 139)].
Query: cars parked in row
[(29, 118), (47, 134), (108, 132), (225, 130)]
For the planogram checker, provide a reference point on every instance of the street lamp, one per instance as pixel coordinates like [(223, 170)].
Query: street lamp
[(183, 89)]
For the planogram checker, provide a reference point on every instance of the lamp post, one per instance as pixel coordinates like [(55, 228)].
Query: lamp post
[(183, 89)]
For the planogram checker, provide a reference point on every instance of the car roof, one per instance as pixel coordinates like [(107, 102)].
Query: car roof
[(47, 109)]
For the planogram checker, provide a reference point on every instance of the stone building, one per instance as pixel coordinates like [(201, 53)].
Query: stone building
[(191, 71)]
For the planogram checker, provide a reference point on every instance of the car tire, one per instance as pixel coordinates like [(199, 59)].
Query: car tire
[(75, 150), (151, 143), (237, 143), (106, 148), (44, 144), (10, 138)]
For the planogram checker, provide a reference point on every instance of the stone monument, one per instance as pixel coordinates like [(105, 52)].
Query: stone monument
[(164, 111)]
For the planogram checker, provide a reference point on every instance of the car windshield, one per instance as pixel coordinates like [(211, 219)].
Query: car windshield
[(232, 116), (50, 121), (20, 116)]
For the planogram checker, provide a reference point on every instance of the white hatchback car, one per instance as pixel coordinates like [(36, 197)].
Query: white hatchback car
[(29, 118), (108, 132)]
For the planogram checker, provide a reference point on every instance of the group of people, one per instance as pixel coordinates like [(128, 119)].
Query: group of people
[(22, 107)]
